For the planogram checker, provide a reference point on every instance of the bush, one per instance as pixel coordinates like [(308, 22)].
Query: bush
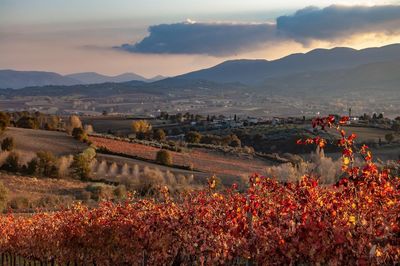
[(12, 163), (19, 203), (164, 157), (193, 137), (4, 121), (389, 137), (3, 197), (159, 135), (100, 191), (120, 192), (46, 164), (81, 164), (28, 122), (79, 134), (141, 128), (8, 144)]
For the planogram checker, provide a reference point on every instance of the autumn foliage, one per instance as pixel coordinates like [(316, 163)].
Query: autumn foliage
[(355, 222)]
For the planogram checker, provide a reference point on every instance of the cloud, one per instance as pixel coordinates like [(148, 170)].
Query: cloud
[(332, 24), (218, 39), (337, 22)]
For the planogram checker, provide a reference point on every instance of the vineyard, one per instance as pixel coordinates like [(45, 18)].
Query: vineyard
[(354, 222), (199, 159)]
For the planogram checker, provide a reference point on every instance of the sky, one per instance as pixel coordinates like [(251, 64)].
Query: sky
[(160, 37)]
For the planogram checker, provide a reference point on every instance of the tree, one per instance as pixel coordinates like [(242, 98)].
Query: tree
[(141, 128), (28, 122), (79, 134), (193, 137), (73, 122), (164, 157), (46, 164), (3, 197), (4, 121), (52, 123), (235, 141), (159, 134), (12, 162), (396, 126), (389, 137), (81, 164), (8, 144)]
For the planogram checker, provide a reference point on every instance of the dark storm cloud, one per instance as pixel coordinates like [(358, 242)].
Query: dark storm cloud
[(203, 38), (335, 22)]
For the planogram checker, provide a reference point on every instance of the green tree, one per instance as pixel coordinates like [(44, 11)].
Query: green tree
[(3, 197), (193, 137), (8, 144), (164, 157)]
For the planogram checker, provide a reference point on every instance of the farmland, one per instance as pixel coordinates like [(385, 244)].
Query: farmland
[(201, 159), (30, 141)]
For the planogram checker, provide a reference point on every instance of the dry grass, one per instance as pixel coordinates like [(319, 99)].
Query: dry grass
[(36, 190), (29, 141)]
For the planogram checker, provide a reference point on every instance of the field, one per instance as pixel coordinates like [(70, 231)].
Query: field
[(29, 192), (201, 159), (30, 141)]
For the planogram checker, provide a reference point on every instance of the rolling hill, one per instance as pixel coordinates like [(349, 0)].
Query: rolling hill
[(94, 78), (14, 79), (257, 71), (19, 79)]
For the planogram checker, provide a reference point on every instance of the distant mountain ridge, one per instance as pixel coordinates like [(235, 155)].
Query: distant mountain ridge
[(93, 78), (257, 71), (20, 79)]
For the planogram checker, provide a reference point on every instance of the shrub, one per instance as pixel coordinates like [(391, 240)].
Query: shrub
[(73, 122), (159, 135), (8, 144), (100, 191), (11, 163), (3, 197), (19, 203), (4, 121), (120, 192), (79, 134), (28, 122), (164, 157), (389, 137), (141, 128), (46, 164), (81, 164), (193, 137)]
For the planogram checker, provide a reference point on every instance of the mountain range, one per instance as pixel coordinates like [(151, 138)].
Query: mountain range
[(19, 79), (258, 71), (318, 71)]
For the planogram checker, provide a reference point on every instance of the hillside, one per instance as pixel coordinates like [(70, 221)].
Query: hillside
[(20, 79), (374, 77), (256, 71), (13, 79), (94, 78), (30, 141)]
